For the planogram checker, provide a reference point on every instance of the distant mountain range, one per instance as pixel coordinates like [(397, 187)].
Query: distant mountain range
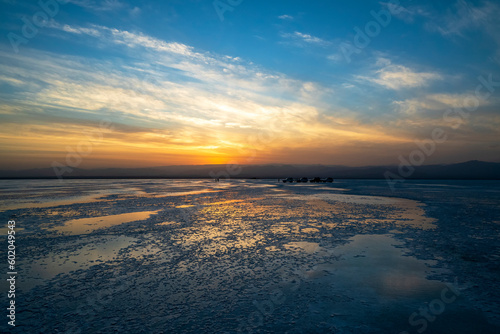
[(466, 170)]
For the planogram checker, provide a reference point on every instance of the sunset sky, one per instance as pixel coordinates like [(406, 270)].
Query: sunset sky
[(157, 83)]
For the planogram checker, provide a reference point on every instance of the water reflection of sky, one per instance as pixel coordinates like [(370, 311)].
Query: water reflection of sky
[(378, 262), (95, 251), (88, 225), (248, 230), (228, 220), (201, 242)]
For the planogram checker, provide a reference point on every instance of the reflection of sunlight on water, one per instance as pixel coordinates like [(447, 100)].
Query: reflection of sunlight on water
[(230, 245), (35, 203), (47, 197), (261, 185), (285, 228), (413, 214), (56, 262), (200, 203), (182, 193), (214, 239), (309, 230), (396, 210), (229, 201), (239, 221), (87, 225), (62, 213)]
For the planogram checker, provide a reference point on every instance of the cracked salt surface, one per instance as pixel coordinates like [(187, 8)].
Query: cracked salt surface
[(256, 256)]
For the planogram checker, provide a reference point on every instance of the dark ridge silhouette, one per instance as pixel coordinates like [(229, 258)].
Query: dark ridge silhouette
[(470, 170)]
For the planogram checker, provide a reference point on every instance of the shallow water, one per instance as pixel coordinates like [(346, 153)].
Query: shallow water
[(378, 263), (199, 256), (88, 225), (59, 262)]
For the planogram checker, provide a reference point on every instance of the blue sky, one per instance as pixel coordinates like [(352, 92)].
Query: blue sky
[(195, 82)]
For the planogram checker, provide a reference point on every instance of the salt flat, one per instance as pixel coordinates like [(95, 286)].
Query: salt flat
[(191, 256)]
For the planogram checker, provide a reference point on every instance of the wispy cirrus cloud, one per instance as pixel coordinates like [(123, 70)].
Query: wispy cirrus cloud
[(171, 91), (135, 12), (461, 17), (99, 5), (437, 102), (79, 30), (458, 21), (175, 99), (303, 39), (396, 77), (406, 12), (464, 16)]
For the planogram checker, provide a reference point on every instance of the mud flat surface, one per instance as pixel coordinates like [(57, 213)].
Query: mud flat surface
[(252, 256)]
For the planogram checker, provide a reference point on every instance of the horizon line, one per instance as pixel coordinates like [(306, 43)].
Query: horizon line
[(266, 164)]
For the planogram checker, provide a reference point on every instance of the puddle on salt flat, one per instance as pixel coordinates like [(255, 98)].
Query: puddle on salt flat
[(232, 201), (58, 262), (35, 203), (87, 225), (375, 283), (378, 263), (260, 185), (37, 198)]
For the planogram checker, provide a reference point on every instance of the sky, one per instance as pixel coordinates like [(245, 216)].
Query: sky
[(117, 83)]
